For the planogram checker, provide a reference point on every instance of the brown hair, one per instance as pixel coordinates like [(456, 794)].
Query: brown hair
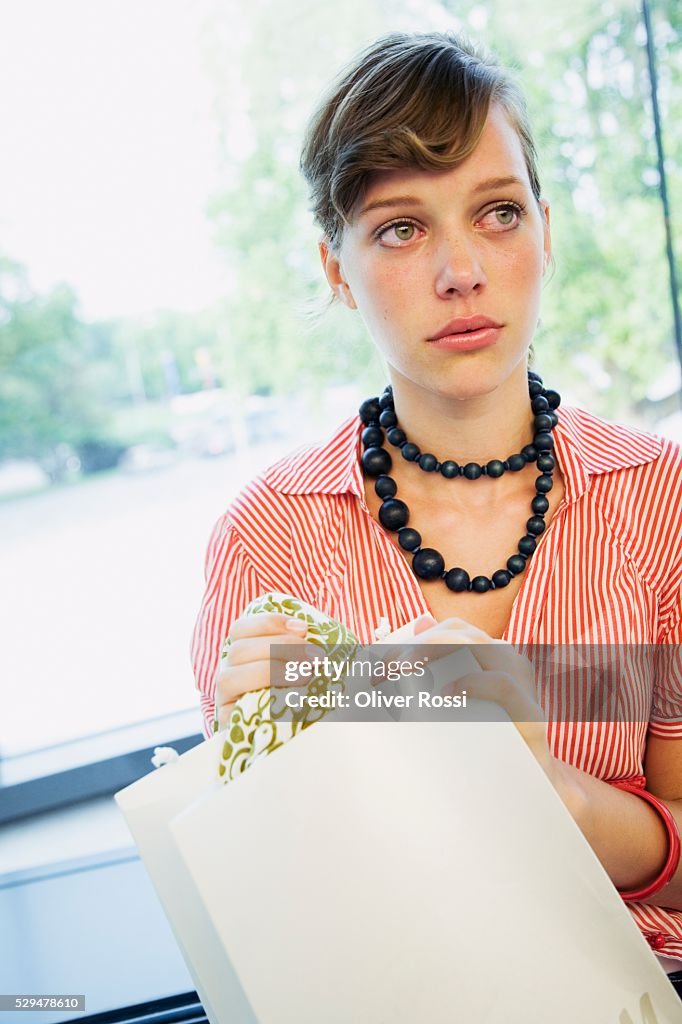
[(409, 100)]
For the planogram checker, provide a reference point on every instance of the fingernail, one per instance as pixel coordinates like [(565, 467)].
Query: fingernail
[(297, 626)]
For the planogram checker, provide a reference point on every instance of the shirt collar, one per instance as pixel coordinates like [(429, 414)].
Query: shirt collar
[(331, 467), (585, 445)]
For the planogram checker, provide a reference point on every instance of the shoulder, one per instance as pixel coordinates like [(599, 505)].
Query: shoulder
[(323, 468), (308, 478), (636, 487), (620, 456), (607, 446)]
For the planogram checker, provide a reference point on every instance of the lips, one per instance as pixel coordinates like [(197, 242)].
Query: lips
[(465, 325)]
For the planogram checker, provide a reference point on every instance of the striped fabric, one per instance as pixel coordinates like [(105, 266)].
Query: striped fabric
[(608, 570)]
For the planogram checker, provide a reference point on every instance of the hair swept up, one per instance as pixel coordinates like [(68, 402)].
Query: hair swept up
[(416, 100)]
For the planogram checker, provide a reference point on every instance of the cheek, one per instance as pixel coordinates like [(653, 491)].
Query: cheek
[(523, 265), (381, 290)]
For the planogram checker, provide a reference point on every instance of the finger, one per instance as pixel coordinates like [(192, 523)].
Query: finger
[(440, 645), (266, 624), (424, 623), (223, 713), (260, 648), (455, 623), (233, 683), (266, 657), (502, 657), (499, 688)]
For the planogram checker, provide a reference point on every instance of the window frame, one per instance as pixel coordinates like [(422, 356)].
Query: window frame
[(78, 774)]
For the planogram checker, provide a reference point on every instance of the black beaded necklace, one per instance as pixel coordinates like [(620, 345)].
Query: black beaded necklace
[(378, 414)]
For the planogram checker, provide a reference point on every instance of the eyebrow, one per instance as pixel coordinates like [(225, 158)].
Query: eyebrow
[(483, 186)]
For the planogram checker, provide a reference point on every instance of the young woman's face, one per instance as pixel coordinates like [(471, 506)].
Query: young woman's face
[(427, 248)]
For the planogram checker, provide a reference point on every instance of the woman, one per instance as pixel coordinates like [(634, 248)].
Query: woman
[(560, 528)]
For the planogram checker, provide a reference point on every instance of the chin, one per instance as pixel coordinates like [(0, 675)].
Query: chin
[(463, 392), (472, 382)]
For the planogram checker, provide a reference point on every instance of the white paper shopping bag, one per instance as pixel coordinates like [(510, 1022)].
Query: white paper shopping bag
[(397, 873), (149, 806)]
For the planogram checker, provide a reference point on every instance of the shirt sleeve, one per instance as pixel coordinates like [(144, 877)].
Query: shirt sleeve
[(666, 718), (231, 584)]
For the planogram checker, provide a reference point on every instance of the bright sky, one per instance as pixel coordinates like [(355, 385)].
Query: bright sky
[(109, 151)]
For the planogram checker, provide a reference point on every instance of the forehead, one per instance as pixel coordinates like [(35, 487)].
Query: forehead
[(498, 155)]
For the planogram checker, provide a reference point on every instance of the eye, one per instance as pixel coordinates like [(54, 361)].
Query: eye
[(504, 216), (404, 231)]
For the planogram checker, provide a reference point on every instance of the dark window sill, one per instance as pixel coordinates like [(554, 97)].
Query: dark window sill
[(90, 767)]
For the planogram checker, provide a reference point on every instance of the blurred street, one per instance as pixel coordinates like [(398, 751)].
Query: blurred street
[(100, 586)]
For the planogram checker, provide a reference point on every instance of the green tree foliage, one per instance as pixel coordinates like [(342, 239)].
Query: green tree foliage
[(607, 320), (163, 354), (606, 335), (48, 381), (271, 340), (607, 323)]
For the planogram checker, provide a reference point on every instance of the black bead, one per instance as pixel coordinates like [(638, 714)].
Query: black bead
[(553, 399), (472, 471), (397, 437), (428, 462), (516, 462), (539, 404), (372, 437), (535, 526), (535, 388), (501, 578), (393, 514), (369, 410), (554, 417), (376, 461), (543, 441), (386, 400), (409, 539), (410, 452), (457, 580), (539, 504), (543, 484), (529, 452), (449, 469), (385, 487), (543, 422), (532, 375), (495, 468), (388, 419), (516, 564), (545, 462), (480, 584), (527, 545), (428, 564)]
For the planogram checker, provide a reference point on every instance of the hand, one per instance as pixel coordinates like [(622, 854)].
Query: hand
[(249, 658), (507, 678)]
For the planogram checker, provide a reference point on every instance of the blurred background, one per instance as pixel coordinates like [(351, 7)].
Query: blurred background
[(157, 258)]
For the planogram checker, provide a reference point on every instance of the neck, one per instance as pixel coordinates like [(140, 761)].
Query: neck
[(466, 428)]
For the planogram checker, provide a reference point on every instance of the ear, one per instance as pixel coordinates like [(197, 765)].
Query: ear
[(331, 264), (547, 244)]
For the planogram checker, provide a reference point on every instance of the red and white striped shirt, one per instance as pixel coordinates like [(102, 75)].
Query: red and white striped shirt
[(608, 570)]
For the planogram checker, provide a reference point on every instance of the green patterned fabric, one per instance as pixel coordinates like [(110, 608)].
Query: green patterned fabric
[(255, 728)]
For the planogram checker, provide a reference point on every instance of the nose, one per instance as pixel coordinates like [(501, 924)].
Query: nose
[(458, 268)]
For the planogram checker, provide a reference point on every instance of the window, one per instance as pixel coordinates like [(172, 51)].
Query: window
[(157, 255)]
